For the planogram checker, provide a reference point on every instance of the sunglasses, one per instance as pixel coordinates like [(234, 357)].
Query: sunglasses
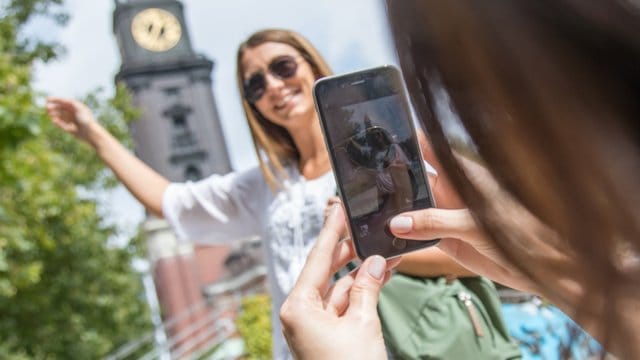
[(370, 148), (282, 67)]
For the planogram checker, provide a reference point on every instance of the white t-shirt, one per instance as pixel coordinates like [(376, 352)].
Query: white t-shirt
[(222, 209)]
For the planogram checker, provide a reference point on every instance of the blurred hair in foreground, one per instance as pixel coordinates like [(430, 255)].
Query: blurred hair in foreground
[(548, 92)]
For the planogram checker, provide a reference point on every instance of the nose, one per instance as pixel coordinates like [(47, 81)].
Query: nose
[(273, 83)]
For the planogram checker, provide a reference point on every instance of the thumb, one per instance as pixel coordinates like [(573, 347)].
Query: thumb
[(363, 297)]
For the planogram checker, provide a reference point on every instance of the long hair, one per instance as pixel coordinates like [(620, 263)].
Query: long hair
[(273, 143), (548, 92)]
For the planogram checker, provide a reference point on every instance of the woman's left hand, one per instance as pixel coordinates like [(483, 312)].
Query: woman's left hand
[(324, 321)]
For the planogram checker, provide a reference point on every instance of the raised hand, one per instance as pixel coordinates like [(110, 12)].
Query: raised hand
[(142, 181), (71, 116)]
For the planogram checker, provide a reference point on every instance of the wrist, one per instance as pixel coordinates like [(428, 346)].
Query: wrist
[(96, 136)]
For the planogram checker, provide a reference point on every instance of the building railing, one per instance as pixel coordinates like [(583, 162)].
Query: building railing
[(214, 324)]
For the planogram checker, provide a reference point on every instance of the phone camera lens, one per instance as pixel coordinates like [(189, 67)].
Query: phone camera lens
[(399, 243)]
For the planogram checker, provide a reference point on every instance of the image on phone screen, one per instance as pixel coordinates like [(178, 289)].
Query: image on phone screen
[(377, 162)]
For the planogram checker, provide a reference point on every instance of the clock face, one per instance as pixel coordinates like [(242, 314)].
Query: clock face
[(156, 29)]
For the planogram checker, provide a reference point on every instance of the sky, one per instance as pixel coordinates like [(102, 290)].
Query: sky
[(351, 34)]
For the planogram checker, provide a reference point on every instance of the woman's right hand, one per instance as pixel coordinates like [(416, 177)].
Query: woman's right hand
[(463, 240), (71, 116), (142, 181), (466, 242)]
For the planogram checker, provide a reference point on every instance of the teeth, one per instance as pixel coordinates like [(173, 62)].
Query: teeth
[(284, 101)]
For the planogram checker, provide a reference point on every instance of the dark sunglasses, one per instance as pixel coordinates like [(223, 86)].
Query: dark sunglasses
[(370, 148), (282, 67)]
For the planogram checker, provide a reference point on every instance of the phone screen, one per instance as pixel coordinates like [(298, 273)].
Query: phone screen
[(377, 162)]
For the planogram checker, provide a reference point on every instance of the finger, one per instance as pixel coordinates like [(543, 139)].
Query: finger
[(387, 277), (56, 99), (393, 262), (363, 297), (53, 109), (53, 102), (343, 253), (55, 113), (62, 103), (434, 223), (433, 180), (59, 120), (427, 151), (333, 200), (330, 202), (317, 270), (337, 298)]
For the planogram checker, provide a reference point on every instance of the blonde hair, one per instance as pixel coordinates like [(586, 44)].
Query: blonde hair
[(273, 143)]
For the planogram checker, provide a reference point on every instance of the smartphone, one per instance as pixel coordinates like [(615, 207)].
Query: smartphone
[(377, 163)]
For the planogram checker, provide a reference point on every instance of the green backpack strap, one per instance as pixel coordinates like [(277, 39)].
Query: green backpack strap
[(432, 318)]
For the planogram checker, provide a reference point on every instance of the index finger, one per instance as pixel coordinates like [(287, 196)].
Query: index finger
[(61, 104), (317, 270), (427, 150)]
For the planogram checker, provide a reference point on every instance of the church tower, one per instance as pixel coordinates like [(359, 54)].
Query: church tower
[(179, 135)]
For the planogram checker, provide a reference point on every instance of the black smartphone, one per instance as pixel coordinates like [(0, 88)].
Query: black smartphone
[(374, 152)]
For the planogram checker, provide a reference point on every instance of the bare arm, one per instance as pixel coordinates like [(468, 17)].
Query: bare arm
[(143, 182), (431, 262)]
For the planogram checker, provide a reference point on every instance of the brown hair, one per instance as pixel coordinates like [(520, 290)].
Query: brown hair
[(549, 93), (273, 143)]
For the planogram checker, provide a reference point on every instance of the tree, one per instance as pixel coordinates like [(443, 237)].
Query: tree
[(64, 291)]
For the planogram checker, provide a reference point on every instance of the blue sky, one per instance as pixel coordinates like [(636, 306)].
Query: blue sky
[(351, 34)]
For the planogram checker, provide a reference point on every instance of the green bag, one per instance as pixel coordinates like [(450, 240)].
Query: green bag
[(434, 318)]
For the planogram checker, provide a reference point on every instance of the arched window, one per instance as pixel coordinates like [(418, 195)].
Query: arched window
[(192, 173)]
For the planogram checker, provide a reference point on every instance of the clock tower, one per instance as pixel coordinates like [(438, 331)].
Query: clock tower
[(179, 135)]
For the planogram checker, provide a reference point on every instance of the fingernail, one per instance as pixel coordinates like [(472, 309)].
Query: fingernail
[(333, 211), (401, 224), (377, 266)]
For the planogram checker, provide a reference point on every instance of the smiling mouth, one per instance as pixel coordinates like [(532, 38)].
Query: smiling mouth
[(285, 100)]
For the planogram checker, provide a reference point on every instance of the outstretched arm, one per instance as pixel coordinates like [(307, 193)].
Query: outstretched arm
[(143, 182)]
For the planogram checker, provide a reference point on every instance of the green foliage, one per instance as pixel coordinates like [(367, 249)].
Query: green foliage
[(64, 293), (19, 116), (254, 325)]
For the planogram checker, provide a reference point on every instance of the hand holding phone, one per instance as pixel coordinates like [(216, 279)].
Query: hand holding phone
[(376, 159)]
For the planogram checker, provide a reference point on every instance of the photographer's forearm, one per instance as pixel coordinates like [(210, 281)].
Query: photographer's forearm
[(144, 183), (431, 262)]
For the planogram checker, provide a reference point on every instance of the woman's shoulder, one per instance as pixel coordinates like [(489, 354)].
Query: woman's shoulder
[(250, 178)]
